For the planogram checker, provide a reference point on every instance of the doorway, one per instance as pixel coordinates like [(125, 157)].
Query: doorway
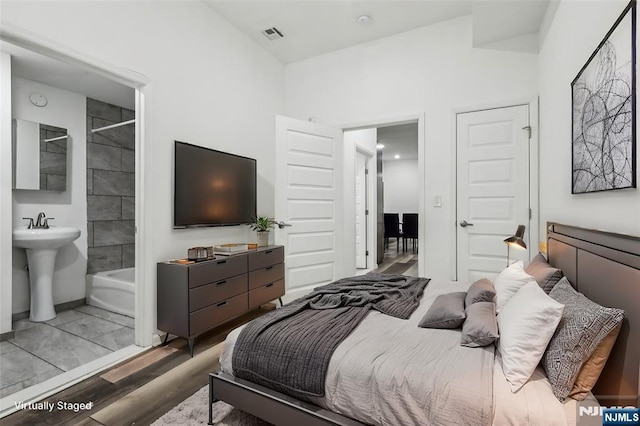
[(397, 147), (101, 336), (387, 157), (362, 210), (315, 194)]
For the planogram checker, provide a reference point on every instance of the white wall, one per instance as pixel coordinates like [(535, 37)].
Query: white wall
[(67, 110), (577, 29), (431, 70), (364, 140), (400, 179), (5, 193), (211, 86)]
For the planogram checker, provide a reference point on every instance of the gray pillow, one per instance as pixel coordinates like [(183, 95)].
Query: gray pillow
[(447, 311), (481, 327), (480, 291), (583, 325), (545, 275)]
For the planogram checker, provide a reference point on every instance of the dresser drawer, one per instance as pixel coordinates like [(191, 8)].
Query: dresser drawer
[(216, 270), (209, 294), (206, 318), (266, 275), (264, 258), (264, 294)]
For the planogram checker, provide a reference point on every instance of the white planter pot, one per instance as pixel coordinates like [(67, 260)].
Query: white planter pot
[(263, 238)]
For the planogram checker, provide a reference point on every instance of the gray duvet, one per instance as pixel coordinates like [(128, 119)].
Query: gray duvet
[(289, 349), (389, 371)]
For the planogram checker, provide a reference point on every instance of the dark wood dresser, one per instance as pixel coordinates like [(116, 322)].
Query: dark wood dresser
[(196, 297)]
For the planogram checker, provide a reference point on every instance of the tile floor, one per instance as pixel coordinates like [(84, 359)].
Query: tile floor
[(40, 351)]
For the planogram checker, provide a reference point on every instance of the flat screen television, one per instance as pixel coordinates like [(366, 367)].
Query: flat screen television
[(212, 188)]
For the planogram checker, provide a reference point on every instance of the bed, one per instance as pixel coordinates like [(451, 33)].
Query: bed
[(588, 258)]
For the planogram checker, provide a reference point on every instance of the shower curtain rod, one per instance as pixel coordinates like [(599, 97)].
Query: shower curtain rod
[(56, 139), (111, 126)]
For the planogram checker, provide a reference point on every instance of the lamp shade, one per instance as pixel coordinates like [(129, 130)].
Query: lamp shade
[(516, 240)]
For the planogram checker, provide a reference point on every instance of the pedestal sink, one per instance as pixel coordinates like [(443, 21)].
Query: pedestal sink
[(42, 247)]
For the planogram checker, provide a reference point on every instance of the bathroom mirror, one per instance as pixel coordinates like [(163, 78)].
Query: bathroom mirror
[(39, 156)]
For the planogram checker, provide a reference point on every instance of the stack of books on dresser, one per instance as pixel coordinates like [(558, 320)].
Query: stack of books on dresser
[(227, 249)]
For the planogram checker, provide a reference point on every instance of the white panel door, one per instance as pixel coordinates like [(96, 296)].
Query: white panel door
[(361, 210), (492, 188), (308, 188)]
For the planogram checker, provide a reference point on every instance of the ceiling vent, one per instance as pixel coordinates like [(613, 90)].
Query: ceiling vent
[(272, 33)]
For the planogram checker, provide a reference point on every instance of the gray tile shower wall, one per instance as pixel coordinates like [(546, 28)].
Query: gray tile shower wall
[(110, 188), (104, 258)]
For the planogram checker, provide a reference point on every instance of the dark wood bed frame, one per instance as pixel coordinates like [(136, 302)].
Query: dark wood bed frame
[(603, 266)]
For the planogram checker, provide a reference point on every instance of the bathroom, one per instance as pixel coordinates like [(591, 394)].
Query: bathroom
[(87, 181)]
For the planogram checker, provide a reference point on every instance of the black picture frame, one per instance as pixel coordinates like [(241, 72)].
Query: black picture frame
[(603, 112)]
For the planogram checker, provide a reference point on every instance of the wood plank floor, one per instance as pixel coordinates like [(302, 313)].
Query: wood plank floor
[(398, 262), (140, 390)]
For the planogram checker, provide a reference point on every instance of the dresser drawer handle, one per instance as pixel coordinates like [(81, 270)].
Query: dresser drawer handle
[(268, 252), (268, 268), (222, 303), (220, 262), (221, 282), (269, 285)]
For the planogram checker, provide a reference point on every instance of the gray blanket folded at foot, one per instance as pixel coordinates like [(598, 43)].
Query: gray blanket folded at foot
[(289, 348)]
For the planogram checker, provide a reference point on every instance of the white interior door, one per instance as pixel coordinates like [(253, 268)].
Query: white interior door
[(308, 190), (492, 188), (361, 210)]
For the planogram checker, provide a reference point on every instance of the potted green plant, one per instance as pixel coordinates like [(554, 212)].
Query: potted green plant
[(263, 224)]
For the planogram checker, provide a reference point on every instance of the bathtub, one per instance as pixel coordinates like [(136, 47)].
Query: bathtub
[(112, 290)]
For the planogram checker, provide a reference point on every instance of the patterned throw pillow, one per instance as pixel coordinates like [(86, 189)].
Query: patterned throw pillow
[(546, 275), (583, 325)]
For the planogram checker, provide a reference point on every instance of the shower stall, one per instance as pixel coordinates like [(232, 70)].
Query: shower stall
[(110, 207)]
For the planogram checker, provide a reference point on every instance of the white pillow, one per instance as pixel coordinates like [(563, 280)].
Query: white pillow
[(509, 282), (526, 324)]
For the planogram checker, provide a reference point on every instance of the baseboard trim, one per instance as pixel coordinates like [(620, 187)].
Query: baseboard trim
[(7, 336), (59, 307)]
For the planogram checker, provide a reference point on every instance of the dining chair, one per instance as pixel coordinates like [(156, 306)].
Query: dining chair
[(410, 230), (392, 229)]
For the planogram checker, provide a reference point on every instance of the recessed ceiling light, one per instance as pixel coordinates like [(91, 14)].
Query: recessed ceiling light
[(397, 156), (364, 19), (379, 146)]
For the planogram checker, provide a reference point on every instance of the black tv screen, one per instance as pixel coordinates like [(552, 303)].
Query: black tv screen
[(212, 188)]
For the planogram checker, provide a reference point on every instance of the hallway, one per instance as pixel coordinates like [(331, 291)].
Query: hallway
[(398, 262)]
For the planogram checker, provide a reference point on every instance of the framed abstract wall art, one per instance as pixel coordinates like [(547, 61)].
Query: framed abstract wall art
[(604, 112)]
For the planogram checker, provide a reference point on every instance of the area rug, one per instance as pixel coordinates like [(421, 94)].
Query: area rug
[(399, 268), (194, 411)]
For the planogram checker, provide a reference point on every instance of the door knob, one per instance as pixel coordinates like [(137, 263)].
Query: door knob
[(281, 224), (464, 223)]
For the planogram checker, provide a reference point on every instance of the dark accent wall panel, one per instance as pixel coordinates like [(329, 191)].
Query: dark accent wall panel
[(110, 188)]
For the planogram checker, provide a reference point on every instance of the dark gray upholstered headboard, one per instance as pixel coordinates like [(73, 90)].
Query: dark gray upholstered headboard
[(605, 267)]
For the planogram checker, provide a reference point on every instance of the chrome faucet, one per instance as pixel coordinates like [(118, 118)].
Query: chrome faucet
[(41, 223)]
